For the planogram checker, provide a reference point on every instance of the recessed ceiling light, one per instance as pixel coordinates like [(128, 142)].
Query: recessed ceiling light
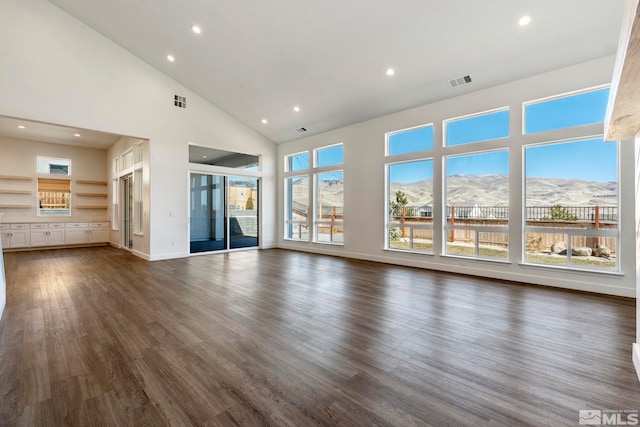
[(196, 29), (390, 71), (524, 20), (204, 157), (265, 121), (296, 109), (77, 135), (21, 127), (170, 58)]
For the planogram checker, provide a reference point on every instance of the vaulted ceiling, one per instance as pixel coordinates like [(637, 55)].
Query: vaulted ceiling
[(259, 59)]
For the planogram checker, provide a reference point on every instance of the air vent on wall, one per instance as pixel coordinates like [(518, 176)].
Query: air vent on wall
[(301, 130), (180, 101), (460, 81)]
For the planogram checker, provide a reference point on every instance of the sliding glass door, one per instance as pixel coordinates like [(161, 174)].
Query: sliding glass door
[(243, 212), (223, 212)]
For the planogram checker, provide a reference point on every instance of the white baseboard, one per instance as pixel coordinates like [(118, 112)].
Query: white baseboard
[(162, 257), (636, 358), (142, 255)]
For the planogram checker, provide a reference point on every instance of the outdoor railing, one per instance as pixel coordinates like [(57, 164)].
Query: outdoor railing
[(574, 213)]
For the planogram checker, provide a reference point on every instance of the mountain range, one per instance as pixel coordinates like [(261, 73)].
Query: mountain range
[(487, 190)]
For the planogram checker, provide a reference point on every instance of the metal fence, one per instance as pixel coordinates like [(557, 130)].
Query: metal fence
[(556, 213)]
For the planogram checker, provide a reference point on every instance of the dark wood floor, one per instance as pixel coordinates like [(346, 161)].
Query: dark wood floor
[(99, 337)]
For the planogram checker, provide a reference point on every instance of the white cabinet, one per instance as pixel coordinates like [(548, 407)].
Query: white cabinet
[(47, 234), (76, 233), (98, 232), (53, 234), (15, 235)]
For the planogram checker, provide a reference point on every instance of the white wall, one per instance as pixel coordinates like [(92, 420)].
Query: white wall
[(364, 195), (19, 159), (636, 180), (57, 70), (3, 280)]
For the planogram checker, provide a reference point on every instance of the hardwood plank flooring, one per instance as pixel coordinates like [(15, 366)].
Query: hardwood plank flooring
[(96, 336)]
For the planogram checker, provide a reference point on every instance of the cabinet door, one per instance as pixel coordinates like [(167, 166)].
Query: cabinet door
[(38, 238), (76, 236), (5, 239), (55, 237), (98, 235), (19, 238)]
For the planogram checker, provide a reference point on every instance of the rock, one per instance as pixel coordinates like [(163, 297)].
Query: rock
[(581, 251), (558, 247), (602, 251)]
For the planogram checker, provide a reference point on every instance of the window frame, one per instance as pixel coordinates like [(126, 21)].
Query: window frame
[(310, 172)]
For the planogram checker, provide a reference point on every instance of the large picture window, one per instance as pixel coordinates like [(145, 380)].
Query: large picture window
[(410, 204), (297, 209), (572, 204), (477, 205), (329, 207)]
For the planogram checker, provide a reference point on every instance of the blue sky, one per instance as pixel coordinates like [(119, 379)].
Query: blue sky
[(588, 160)]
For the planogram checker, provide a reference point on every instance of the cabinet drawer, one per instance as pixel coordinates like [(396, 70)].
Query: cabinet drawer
[(38, 226), (4, 226), (99, 224), (56, 225), (19, 226), (76, 225)]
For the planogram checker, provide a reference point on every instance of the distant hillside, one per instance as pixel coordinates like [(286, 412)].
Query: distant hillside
[(489, 190), (493, 190)]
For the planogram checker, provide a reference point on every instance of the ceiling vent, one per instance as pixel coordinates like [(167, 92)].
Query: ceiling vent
[(180, 101), (460, 81), (301, 130)]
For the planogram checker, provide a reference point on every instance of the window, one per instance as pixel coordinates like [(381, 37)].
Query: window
[(326, 191), (329, 207), (297, 162), (328, 156), (137, 153), (410, 140), (410, 206), (127, 160), (477, 205), (579, 109), (572, 204), (54, 197), (297, 217), (53, 166), (476, 128)]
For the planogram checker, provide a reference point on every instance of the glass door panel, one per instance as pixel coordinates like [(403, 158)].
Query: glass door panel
[(243, 212), (208, 220)]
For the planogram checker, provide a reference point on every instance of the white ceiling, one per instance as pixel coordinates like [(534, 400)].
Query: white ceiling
[(257, 59), (45, 132)]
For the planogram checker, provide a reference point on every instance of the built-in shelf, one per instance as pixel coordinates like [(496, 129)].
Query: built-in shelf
[(84, 181), (15, 206), (92, 195), (16, 178), (90, 207), (15, 191)]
